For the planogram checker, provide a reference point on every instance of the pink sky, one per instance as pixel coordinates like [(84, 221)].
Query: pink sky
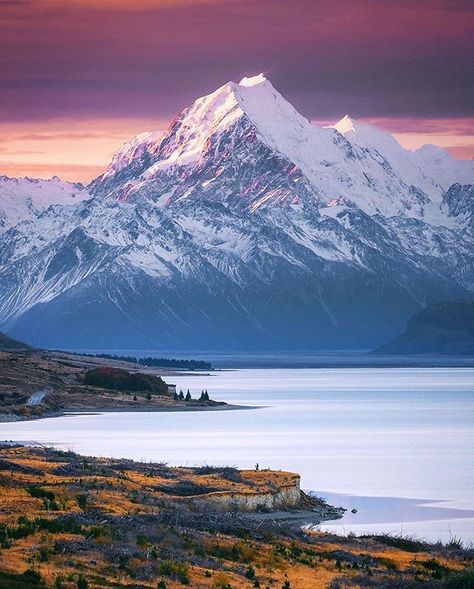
[(79, 77)]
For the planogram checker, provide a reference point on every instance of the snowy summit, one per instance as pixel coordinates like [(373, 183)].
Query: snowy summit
[(242, 226)]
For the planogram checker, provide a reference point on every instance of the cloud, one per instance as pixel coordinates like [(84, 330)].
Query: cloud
[(7, 4), (406, 58), (449, 127), (79, 77)]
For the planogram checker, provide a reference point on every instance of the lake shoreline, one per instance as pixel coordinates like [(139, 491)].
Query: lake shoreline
[(358, 432), (110, 519), (99, 411)]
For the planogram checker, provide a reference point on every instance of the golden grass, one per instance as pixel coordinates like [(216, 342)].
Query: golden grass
[(115, 490)]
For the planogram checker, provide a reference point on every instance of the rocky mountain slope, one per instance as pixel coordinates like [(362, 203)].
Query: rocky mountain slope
[(444, 328), (27, 198), (244, 227)]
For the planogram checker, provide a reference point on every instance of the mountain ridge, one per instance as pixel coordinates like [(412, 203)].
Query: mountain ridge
[(445, 328), (229, 233)]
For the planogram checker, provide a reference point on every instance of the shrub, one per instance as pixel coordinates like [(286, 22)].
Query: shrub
[(176, 570), (142, 540), (250, 572), (32, 575), (82, 583), (43, 554), (461, 579), (20, 581), (60, 525), (221, 581), (438, 571), (82, 500), (402, 542), (40, 493), (455, 543)]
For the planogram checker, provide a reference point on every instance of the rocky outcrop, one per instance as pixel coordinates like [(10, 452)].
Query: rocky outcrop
[(287, 495)]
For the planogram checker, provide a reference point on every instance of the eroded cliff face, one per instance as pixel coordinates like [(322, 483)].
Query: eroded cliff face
[(285, 495)]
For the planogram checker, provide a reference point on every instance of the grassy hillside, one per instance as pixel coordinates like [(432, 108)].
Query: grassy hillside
[(74, 522)]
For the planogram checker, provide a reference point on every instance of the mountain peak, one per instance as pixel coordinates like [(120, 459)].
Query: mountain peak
[(253, 81), (345, 125)]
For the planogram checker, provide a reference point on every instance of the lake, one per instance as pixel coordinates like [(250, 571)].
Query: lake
[(397, 444)]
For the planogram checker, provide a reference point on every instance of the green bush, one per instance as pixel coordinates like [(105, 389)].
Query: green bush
[(82, 500), (250, 572), (461, 579), (402, 542), (176, 570), (82, 583), (438, 570), (30, 579)]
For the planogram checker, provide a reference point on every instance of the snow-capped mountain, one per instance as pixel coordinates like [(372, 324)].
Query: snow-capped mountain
[(26, 198), (244, 226)]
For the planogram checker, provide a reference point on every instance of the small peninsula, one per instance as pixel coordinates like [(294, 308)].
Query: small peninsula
[(42, 383)]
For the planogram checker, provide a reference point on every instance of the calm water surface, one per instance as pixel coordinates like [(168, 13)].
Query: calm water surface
[(397, 444)]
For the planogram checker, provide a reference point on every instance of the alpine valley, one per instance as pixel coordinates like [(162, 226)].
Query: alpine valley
[(242, 227)]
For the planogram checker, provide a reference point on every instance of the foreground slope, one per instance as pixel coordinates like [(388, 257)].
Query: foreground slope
[(243, 227), (73, 521)]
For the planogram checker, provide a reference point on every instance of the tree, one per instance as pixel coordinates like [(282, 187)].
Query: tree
[(175, 396), (148, 396), (188, 396), (181, 395)]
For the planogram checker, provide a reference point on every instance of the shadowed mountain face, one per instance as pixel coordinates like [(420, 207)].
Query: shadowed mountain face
[(445, 328), (244, 227), (7, 343)]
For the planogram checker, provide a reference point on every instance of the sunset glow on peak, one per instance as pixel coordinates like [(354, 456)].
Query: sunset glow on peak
[(81, 77), (253, 81)]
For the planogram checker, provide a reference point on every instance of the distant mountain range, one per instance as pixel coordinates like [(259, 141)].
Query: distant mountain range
[(444, 328), (243, 227)]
